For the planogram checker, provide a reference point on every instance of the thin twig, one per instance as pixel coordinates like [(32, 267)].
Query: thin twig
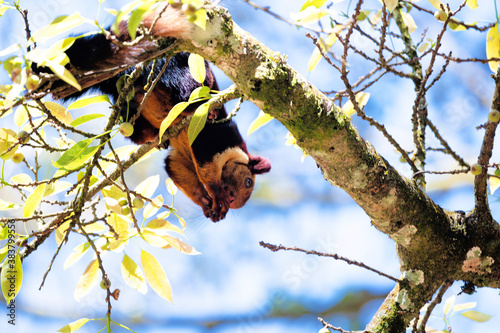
[(432, 305), (335, 256)]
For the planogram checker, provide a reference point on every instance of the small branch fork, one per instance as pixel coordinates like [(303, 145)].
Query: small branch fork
[(335, 256)]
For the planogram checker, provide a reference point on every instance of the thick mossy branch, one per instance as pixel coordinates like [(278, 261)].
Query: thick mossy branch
[(433, 244)]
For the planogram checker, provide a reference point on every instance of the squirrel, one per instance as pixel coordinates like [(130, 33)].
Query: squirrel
[(216, 172)]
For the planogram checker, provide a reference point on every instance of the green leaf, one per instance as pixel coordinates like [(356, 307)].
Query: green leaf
[(197, 67), (77, 254), (60, 25), (262, 119), (493, 47), (198, 122), (88, 101), (363, 15), (12, 275), (88, 280), (390, 4), (86, 118), (77, 155), (133, 275), (77, 324), (315, 3), (477, 316), (136, 18), (202, 92), (156, 276), (172, 115), (33, 200)]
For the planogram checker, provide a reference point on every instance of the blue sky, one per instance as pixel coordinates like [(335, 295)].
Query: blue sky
[(234, 278)]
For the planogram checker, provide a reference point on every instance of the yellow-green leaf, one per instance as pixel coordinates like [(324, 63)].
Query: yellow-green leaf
[(315, 3), (148, 186), (151, 208), (198, 121), (309, 15), (64, 74), (201, 18), (464, 306), (449, 304), (494, 184), (11, 276), (423, 47), (7, 205), (33, 200), (88, 280), (361, 99), (156, 276), (59, 112), (78, 252), (120, 223), (197, 67), (493, 47), (472, 4), (409, 21), (171, 188), (172, 115), (390, 4), (180, 245), (476, 316), (114, 192), (77, 324), (4, 250), (59, 25), (21, 178), (88, 101), (85, 118), (161, 226), (54, 53), (7, 139), (61, 231), (133, 275), (262, 119), (437, 4)]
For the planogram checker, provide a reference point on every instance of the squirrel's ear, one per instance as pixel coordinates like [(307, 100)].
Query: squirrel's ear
[(259, 164)]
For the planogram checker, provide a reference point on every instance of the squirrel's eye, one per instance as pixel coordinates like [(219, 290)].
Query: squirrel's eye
[(248, 182)]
